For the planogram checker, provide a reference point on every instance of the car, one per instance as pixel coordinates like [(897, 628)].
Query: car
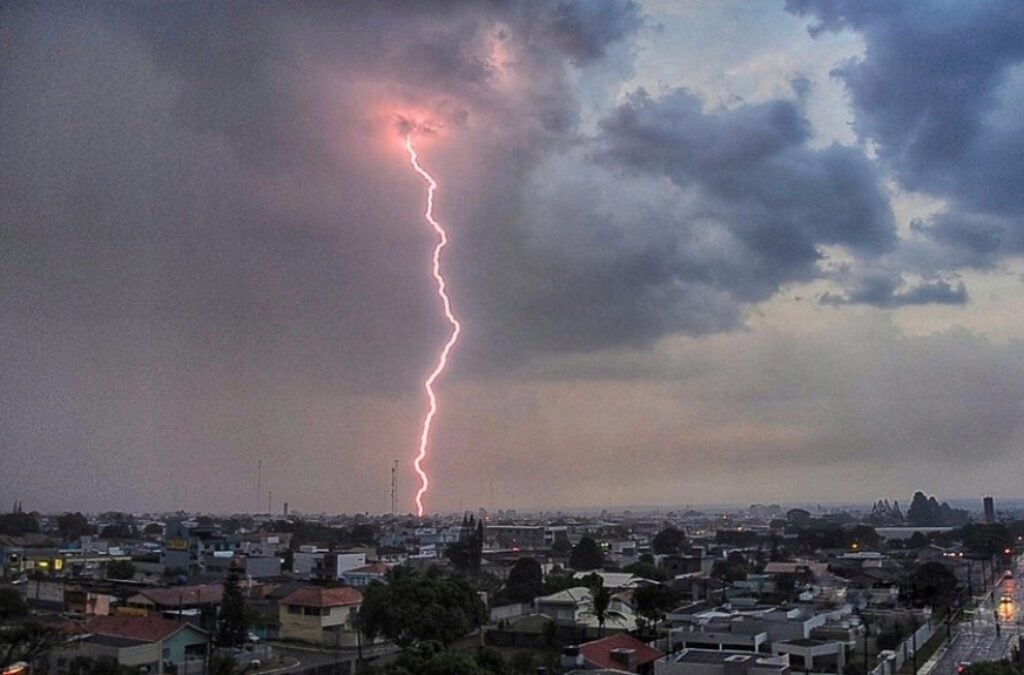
[(963, 666)]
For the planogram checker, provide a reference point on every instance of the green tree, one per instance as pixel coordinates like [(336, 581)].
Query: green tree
[(555, 583), (73, 525), (669, 541), (413, 608), (27, 641), (153, 528), (865, 537), (646, 570), (223, 664), (120, 569), (932, 583), (586, 555), (431, 658), (653, 601), (467, 553), (12, 604), (234, 626), (733, 568), (491, 660), (525, 580), (918, 540), (561, 546), (18, 523), (986, 540)]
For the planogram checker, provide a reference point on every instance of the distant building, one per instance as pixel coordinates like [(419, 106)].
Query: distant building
[(990, 510)]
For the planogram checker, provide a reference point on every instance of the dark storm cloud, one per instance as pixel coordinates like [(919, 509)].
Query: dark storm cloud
[(209, 235), (755, 175), (938, 91), (888, 289)]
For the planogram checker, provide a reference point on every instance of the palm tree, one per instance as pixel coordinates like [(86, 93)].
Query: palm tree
[(599, 607)]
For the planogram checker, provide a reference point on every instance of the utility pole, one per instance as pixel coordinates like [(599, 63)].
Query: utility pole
[(394, 488), (259, 483)]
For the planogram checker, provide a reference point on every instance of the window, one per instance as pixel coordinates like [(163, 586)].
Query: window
[(294, 609)]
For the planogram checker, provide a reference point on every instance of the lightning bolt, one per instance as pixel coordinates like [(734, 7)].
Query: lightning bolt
[(446, 303)]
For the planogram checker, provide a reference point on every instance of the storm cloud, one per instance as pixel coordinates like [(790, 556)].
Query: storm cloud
[(212, 251), (938, 92)]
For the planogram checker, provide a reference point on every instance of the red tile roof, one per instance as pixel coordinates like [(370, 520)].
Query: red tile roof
[(149, 628), (185, 595), (323, 597), (598, 652)]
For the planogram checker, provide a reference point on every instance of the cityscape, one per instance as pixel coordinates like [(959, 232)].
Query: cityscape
[(531, 337)]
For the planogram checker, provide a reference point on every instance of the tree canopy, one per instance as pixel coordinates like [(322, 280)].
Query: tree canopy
[(586, 555), (932, 583), (525, 580), (414, 607), (670, 540), (431, 658), (646, 570), (233, 628), (18, 523), (120, 569), (12, 604), (467, 553), (73, 525)]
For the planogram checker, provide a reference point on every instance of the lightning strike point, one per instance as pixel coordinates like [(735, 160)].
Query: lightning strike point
[(442, 292)]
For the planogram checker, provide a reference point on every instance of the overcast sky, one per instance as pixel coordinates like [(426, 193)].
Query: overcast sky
[(703, 251)]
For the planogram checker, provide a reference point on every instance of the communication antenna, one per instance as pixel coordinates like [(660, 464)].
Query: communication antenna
[(394, 488)]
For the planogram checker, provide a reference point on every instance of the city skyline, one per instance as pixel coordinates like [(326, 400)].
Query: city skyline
[(703, 252)]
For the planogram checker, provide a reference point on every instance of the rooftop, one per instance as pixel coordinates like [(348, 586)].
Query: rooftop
[(599, 652), (184, 595), (142, 628), (311, 596)]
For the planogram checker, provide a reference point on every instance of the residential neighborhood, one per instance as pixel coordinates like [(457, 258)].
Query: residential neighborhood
[(763, 589)]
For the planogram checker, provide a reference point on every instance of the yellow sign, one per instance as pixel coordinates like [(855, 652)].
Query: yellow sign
[(176, 544)]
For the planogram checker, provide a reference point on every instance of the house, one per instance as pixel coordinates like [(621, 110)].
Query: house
[(573, 607), (200, 603), (621, 652), (176, 598), (135, 641), (321, 615)]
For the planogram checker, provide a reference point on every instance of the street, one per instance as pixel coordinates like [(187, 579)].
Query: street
[(990, 630)]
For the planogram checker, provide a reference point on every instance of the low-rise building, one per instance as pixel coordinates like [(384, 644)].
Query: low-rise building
[(320, 615), (138, 641), (709, 662)]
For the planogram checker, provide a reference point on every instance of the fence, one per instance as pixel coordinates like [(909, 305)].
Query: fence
[(892, 661)]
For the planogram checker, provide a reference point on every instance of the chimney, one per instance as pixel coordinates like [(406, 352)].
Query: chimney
[(572, 657), (624, 657)]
